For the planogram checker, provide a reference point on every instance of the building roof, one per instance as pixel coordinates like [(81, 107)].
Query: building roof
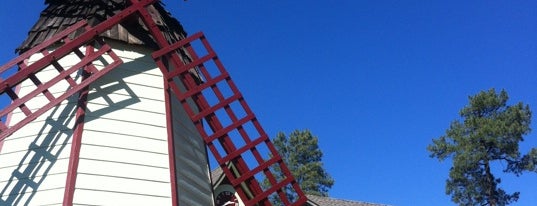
[(315, 200), (60, 14), (216, 175)]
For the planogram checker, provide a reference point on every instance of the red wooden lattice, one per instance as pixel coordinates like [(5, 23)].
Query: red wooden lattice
[(29, 70), (221, 115), (225, 113)]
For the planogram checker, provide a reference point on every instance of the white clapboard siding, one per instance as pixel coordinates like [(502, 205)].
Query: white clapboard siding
[(124, 152), (191, 175), (35, 158)]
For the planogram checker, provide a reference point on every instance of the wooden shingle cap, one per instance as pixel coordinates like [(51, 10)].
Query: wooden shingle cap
[(60, 14)]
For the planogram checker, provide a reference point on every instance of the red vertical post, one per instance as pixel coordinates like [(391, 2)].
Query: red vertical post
[(76, 143), (161, 41), (171, 141)]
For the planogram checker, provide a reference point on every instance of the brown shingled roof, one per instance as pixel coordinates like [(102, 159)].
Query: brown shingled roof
[(61, 14), (315, 200), (216, 174)]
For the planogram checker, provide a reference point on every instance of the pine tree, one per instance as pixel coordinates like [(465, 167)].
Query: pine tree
[(301, 153), (490, 131)]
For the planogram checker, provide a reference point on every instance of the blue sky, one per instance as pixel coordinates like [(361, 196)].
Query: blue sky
[(375, 81)]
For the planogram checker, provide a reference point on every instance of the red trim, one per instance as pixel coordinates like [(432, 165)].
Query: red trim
[(76, 143), (74, 158), (171, 142), (9, 115), (2, 140)]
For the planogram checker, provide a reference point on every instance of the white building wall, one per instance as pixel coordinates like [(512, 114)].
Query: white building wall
[(190, 150), (124, 152), (34, 160)]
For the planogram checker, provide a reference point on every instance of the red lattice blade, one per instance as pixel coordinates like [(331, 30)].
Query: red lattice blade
[(48, 56), (234, 135)]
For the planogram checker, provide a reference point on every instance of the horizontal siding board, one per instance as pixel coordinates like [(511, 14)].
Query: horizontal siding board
[(184, 137), (48, 140), (119, 154), (42, 197), (147, 105), (119, 75), (102, 197), (43, 124), (128, 115), (190, 194), (33, 184), (58, 166), (193, 179), (143, 65), (133, 91), (155, 145), (53, 151), (124, 185), (38, 134), (128, 128), (127, 170)]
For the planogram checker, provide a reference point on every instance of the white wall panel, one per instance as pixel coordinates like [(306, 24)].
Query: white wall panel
[(126, 127), (150, 144), (43, 197), (194, 187), (121, 154), (120, 169), (113, 198), (118, 184)]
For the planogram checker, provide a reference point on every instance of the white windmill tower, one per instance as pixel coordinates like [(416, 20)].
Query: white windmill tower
[(113, 105)]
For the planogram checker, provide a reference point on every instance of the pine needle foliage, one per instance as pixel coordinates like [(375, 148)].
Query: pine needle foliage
[(489, 131), (301, 153)]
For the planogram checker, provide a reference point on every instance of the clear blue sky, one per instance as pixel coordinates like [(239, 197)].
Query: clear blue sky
[(375, 81)]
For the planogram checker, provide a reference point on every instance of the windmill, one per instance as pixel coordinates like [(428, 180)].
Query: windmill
[(118, 106)]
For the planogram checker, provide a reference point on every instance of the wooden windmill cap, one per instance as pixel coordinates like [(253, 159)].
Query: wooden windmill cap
[(60, 14)]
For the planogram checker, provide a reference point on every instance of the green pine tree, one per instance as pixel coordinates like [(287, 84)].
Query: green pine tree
[(302, 155), (489, 131)]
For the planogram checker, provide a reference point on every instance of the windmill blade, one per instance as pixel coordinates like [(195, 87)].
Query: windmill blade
[(220, 105), (49, 57)]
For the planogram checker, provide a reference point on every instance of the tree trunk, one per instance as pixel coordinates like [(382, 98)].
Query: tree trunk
[(491, 186)]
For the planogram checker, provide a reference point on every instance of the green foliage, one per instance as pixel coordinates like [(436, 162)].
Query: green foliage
[(302, 155), (490, 131)]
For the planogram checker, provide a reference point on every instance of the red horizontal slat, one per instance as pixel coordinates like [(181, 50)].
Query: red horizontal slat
[(176, 45), (204, 113), (191, 65)]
